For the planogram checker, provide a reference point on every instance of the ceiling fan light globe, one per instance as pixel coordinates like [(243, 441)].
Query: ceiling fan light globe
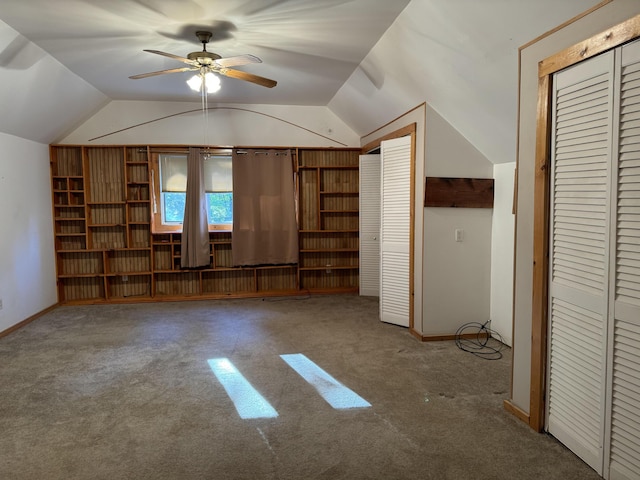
[(195, 82), (212, 82)]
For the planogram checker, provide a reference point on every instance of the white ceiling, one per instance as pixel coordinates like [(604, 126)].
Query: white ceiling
[(310, 47), (367, 61)]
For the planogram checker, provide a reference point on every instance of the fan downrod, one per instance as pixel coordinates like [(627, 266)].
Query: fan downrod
[(203, 57)]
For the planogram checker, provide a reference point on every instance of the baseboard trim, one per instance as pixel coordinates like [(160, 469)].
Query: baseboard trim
[(26, 321), (443, 338), (516, 411), (415, 333)]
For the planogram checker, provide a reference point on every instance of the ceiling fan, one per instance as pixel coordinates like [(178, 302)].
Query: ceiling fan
[(207, 62)]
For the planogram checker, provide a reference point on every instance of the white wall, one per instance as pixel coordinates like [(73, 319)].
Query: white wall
[(451, 279), (456, 275), (502, 245), (158, 123), (461, 57), (39, 100), (590, 25), (27, 262)]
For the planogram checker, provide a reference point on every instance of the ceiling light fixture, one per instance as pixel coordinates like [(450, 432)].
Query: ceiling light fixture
[(210, 80)]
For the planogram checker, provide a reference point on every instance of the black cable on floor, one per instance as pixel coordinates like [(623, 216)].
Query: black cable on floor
[(485, 344)]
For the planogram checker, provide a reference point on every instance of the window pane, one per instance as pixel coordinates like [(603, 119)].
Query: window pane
[(218, 185), (217, 174), (173, 173), (220, 207), (173, 207)]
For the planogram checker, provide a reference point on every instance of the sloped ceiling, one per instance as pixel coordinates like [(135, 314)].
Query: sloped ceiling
[(461, 57), (39, 95), (368, 60)]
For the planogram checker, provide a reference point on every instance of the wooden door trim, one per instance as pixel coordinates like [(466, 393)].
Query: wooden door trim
[(602, 42), (403, 132)]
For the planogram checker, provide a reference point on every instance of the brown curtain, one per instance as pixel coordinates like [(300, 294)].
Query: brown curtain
[(195, 226), (265, 231)]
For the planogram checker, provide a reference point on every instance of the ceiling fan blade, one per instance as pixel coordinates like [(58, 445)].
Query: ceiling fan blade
[(249, 77), (171, 55), (162, 72), (238, 60)]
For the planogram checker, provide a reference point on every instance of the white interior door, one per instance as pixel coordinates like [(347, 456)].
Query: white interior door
[(594, 312), (624, 383), (369, 225), (395, 231), (579, 257)]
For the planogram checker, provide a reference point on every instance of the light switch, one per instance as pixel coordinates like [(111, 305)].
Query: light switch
[(459, 234)]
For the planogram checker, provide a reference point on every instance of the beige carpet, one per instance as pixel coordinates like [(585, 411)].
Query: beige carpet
[(126, 392)]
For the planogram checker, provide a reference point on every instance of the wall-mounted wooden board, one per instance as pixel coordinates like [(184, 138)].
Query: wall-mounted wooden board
[(459, 192)]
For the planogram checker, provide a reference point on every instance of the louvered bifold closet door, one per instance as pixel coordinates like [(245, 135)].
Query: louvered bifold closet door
[(579, 242), (369, 225), (624, 456), (395, 230)]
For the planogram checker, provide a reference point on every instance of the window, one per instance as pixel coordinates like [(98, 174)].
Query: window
[(169, 176)]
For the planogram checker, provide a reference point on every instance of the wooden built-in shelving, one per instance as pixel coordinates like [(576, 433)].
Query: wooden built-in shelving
[(329, 237), (106, 252)]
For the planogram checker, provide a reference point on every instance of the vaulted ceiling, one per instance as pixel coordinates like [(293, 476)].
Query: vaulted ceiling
[(309, 47), (367, 60)]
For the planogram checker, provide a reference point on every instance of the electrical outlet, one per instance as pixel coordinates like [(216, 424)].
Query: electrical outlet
[(459, 234)]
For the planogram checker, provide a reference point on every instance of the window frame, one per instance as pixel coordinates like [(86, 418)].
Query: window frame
[(157, 226)]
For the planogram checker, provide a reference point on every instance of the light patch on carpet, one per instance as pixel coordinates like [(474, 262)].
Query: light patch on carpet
[(334, 393), (247, 400)]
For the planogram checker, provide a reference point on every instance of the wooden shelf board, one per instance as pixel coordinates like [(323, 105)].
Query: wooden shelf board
[(82, 234), (332, 267), (80, 250), (328, 250), (328, 167), (339, 211), (130, 274), (329, 231), (81, 275), (268, 267), (178, 271), (104, 225)]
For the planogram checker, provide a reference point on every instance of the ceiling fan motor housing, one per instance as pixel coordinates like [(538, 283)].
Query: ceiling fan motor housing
[(204, 58)]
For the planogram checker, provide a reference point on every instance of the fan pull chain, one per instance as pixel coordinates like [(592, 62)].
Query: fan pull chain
[(205, 112)]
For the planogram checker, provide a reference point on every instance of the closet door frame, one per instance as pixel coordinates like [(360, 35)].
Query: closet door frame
[(607, 40), (409, 130)]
